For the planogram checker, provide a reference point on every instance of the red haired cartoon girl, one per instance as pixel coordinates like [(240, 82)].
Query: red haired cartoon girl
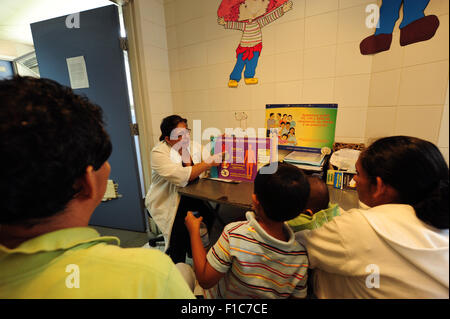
[(249, 16)]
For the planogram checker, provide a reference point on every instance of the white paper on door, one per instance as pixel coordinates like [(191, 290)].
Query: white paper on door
[(77, 72)]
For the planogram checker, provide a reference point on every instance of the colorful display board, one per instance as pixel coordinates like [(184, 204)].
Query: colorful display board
[(241, 156), (302, 127)]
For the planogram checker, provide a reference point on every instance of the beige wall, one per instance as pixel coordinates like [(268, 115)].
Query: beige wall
[(154, 63), (310, 55), (444, 130), (409, 85)]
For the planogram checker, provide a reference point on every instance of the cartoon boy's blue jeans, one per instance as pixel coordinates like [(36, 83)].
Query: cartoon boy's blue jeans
[(250, 67), (389, 12)]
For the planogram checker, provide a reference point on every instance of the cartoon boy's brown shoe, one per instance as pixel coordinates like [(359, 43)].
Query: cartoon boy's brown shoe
[(419, 30), (375, 44)]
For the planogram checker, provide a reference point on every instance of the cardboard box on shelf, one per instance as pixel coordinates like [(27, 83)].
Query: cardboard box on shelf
[(341, 179)]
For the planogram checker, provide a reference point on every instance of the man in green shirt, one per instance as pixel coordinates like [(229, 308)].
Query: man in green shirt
[(54, 170)]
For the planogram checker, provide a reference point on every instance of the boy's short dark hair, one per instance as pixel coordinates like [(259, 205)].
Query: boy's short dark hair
[(168, 124), (283, 194), (319, 196), (48, 137)]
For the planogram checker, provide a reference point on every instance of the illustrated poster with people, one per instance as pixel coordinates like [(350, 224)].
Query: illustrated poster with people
[(301, 125)]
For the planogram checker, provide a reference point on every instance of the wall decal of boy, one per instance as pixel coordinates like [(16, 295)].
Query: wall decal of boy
[(415, 26), (249, 16)]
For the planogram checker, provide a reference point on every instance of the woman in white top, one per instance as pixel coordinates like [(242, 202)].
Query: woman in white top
[(173, 166), (398, 247)]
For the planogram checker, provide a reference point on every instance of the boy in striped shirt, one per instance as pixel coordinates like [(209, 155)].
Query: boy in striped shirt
[(249, 16), (259, 257)]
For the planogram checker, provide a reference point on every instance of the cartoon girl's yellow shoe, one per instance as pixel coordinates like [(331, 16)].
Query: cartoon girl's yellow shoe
[(251, 81), (232, 84)]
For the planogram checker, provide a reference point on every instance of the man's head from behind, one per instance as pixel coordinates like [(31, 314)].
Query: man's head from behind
[(53, 148), (283, 194)]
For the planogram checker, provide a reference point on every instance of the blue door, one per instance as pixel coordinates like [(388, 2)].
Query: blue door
[(98, 40)]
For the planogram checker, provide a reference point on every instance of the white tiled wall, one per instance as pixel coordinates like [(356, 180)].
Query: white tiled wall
[(310, 55), (444, 130), (409, 84), (156, 65)]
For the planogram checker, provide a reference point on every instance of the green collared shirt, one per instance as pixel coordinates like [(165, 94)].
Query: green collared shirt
[(304, 221), (79, 263)]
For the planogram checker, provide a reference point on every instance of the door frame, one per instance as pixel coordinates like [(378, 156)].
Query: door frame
[(139, 84)]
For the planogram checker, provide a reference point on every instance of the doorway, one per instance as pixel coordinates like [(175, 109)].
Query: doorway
[(40, 41)]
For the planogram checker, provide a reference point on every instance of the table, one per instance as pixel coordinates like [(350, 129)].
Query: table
[(234, 194), (240, 194)]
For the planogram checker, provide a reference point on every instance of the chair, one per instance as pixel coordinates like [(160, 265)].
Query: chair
[(153, 227)]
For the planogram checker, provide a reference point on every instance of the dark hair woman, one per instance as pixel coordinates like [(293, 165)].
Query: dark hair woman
[(54, 170), (416, 170), (173, 166), (170, 123), (398, 247), (41, 159)]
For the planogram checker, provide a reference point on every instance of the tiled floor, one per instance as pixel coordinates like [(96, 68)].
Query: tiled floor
[(130, 239)]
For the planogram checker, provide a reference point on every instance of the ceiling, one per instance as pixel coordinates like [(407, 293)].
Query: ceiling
[(16, 15)]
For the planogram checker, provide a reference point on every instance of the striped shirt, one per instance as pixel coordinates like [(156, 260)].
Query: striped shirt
[(256, 264), (251, 35)]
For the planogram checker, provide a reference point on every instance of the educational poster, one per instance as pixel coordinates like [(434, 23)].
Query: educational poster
[(300, 126), (241, 156), (249, 17), (415, 26)]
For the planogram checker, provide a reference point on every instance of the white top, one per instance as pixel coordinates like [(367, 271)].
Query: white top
[(411, 257), (256, 264), (168, 174)]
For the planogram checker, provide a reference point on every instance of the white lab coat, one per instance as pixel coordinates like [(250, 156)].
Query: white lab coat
[(168, 174), (382, 252)]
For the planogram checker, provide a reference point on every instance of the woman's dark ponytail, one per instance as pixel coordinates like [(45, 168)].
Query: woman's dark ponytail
[(433, 209), (417, 170)]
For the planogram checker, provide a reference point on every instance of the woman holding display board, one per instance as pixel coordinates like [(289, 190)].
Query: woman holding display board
[(398, 247), (173, 166)]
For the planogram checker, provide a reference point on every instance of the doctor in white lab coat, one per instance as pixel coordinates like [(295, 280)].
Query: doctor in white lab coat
[(173, 166)]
